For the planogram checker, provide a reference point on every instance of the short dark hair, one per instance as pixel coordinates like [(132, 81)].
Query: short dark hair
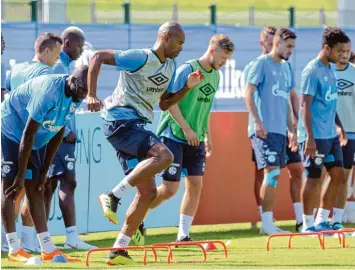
[(284, 34), (47, 40), (352, 57), (334, 35), (267, 30)]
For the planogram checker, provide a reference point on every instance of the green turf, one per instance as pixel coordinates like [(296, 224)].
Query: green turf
[(157, 11), (246, 251)]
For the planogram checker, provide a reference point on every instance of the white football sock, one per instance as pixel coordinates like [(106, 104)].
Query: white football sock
[(184, 226)]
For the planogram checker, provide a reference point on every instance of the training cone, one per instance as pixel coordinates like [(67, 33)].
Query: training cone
[(209, 246), (33, 261), (59, 259)]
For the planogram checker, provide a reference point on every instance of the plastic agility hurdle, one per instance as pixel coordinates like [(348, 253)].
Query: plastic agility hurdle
[(143, 248), (320, 235), (200, 245)]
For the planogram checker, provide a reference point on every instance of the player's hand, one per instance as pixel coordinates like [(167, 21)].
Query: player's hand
[(195, 78), (13, 191), (208, 148), (71, 138), (293, 144), (310, 148), (191, 137), (343, 139), (260, 130), (42, 181), (94, 104)]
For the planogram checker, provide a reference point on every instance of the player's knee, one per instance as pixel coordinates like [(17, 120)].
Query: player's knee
[(296, 169), (170, 191), (71, 185), (337, 174), (270, 178), (194, 186), (165, 157), (48, 188), (32, 193), (148, 193)]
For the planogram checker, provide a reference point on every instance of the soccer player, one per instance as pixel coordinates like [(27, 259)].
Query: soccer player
[(184, 129), (146, 78), (47, 47), (33, 120), (345, 76), (293, 159), (63, 166), (320, 120), (269, 83)]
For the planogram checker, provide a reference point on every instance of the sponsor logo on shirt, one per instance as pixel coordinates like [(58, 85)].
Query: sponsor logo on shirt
[(276, 91), (49, 125), (329, 96)]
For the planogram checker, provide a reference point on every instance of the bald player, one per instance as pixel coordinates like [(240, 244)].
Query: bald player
[(147, 77)]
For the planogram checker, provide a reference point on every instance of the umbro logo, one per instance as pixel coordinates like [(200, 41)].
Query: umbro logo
[(343, 84), (158, 79), (207, 89)]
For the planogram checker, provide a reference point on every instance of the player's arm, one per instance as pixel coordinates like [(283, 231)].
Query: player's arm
[(178, 82), (51, 150), (208, 140), (189, 133), (100, 57), (25, 149), (254, 78), (181, 83), (295, 104), (309, 86), (340, 131), (130, 60), (292, 135)]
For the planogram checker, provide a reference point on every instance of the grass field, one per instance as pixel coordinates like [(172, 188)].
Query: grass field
[(189, 11), (247, 250)]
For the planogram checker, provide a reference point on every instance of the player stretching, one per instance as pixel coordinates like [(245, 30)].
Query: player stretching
[(293, 159), (33, 120), (146, 77), (322, 146), (47, 47), (269, 83)]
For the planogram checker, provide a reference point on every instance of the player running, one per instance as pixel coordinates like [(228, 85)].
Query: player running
[(146, 78), (269, 83), (320, 121), (184, 129), (33, 120)]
